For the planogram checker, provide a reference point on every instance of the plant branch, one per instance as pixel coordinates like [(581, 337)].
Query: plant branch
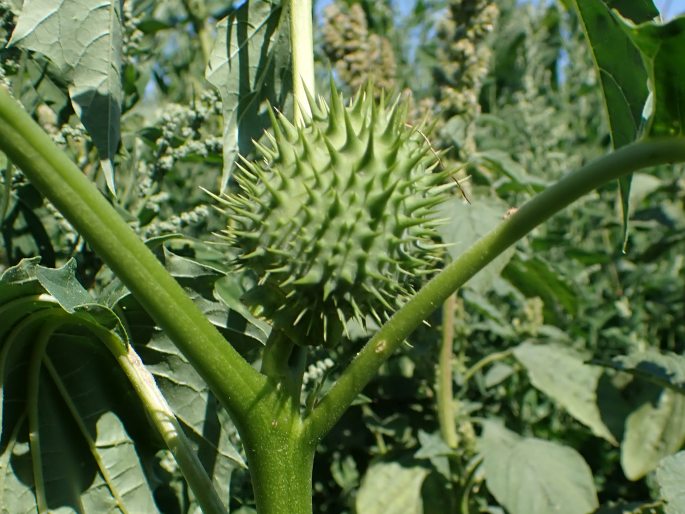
[(231, 378), (168, 427), (381, 346), (302, 43), (488, 359), (197, 14), (444, 379)]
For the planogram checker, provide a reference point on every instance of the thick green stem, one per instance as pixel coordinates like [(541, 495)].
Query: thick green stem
[(302, 43), (391, 335), (280, 455), (281, 469), (231, 378), (444, 378)]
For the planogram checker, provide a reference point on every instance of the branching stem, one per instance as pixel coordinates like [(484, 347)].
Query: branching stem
[(231, 378), (362, 369)]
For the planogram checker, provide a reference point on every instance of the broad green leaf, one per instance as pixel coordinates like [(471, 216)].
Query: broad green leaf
[(83, 436), (87, 459), (654, 429), (64, 290), (520, 179), (83, 38), (70, 396), (662, 46), (654, 425), (638, 10), (669, 476), (532, 476), (250, 66), (466, 223), (562, 374), (391, 488), (621, 72)]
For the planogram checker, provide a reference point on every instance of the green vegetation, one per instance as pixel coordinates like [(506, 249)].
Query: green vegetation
[(456, 286)]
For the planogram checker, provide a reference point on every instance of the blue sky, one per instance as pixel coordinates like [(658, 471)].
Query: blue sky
[(673, 7)]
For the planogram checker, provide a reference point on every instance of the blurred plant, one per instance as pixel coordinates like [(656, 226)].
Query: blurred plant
[(357, 54), (462, 64)]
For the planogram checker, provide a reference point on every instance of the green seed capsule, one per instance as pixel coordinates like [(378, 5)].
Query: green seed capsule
[(337, 219)]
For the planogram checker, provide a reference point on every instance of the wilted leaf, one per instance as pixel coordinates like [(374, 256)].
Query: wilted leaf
[(83, 38), (250, 66), (563, 375), (532, 476)]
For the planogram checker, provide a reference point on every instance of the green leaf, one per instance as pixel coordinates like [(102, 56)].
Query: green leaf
[(466, 223), (536, 277), (621, 72), (669, 476), (391, 488), (653, 431), (205, 422), (654, 428), (81, 457), (562, 374), (663, 369), (84, 435), (638, 10), (532, 476), (83, 38), (250, 66), (64, 289), (661, 46)]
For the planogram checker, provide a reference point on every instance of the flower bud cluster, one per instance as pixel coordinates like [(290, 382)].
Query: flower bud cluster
[(464, 55), (463, 58), (316, 371), (358, 55)]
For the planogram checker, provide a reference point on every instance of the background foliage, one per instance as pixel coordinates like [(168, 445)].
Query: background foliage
[(568, 351)]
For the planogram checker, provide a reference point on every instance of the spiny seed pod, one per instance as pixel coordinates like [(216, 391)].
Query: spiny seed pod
[(338, 220)]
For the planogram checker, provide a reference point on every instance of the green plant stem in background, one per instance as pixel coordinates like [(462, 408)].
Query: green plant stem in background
[(231, 378), (444, 379), (302, 43), (642, 154), (196, 11), (489, 359)]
